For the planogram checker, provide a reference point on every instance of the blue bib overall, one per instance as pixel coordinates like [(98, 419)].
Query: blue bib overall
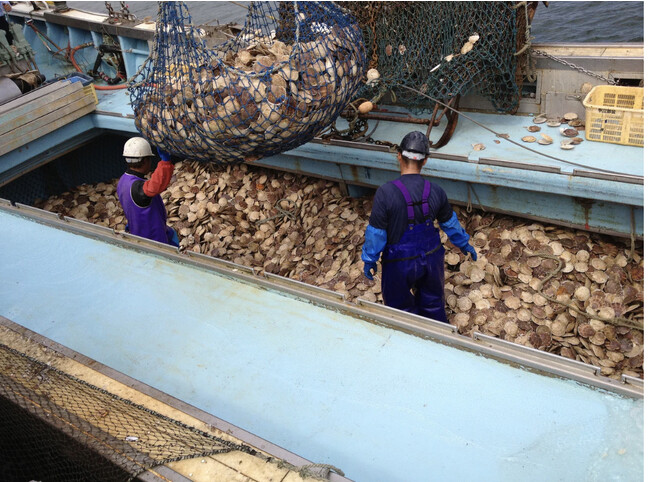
[(413, 270)]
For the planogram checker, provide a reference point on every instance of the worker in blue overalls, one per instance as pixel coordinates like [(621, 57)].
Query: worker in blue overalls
[(401, 227)]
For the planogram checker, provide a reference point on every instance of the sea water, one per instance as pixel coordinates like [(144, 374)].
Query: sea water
[(559, 22)]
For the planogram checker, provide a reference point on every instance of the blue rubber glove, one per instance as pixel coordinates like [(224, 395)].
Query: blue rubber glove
[(172, 237), (458, 236), (369, 268), (374, 244), (372, 247), (164, 156)]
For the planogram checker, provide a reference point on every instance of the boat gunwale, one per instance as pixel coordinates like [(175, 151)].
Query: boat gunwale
[(543, 363)]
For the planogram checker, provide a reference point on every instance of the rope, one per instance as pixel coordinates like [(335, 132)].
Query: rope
[(510, 140), (469, 199), (618, 321), (282, 213), (306, 470), (528, 43)]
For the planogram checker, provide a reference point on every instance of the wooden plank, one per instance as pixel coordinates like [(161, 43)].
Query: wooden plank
[(49, 117), (58, 119), (38, 93), (35, 94), (40, 109)]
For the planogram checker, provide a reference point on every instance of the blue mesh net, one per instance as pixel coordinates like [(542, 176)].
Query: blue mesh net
[(284, 78)]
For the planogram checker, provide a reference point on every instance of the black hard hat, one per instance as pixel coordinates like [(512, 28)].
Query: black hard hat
[(415, 142)]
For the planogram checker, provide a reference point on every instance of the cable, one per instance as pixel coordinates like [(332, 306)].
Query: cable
[(76, 66), (510, 140)]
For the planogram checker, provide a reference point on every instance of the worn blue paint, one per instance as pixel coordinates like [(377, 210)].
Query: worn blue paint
[(378, 403)]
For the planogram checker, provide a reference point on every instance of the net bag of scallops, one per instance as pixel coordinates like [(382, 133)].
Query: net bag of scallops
[(283, 79)]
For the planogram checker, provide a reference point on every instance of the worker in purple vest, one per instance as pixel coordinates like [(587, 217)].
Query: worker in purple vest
[(140, 198), (401, 227)]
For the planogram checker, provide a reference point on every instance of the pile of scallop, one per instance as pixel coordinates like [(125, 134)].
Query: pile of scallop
[(572, 293), (268, 94)]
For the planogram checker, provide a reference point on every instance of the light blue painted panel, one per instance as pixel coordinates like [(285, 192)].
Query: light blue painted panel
[(376, 402), (625, 159), (525, 179)]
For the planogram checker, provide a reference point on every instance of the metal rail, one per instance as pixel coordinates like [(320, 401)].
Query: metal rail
[(540, 362)]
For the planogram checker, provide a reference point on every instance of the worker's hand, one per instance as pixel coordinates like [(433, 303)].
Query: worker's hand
[(164, 156), (369, 269), (470, 249)]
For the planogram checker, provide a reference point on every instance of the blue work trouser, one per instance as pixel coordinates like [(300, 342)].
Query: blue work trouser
[(413, 273)]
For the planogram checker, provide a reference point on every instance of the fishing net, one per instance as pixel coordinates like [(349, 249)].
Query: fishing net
[(58, 427), (442, 49), (55, 426), (273, 87)]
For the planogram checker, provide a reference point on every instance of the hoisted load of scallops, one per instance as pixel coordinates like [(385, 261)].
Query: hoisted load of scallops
[(284, 78)]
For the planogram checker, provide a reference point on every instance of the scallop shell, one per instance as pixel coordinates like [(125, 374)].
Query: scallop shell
[(545, 140), (534, 128), (473, 38), (581, 267), (582, 293), (245, 57), (569, 132), (478, 146), (539, 120), (276, 94), (529, 138), (553, 123), (567, 146), (452, 258), (570, 116), (466, 48)]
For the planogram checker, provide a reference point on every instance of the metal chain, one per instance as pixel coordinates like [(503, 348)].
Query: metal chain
[(574, 66)]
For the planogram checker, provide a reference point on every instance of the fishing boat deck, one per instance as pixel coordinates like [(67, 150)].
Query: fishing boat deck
[(300, 368), (114, 112), (596, 186)]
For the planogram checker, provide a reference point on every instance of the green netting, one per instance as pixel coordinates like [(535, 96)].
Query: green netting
[(441, 49), (286, 76)]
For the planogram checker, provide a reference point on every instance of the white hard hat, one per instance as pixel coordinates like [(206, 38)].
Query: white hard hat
[(135, 149)]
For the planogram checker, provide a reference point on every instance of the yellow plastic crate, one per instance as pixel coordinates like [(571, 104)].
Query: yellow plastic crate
[(614, 115)]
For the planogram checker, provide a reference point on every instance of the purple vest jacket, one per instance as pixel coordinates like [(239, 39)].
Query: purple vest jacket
[(149, 222)]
